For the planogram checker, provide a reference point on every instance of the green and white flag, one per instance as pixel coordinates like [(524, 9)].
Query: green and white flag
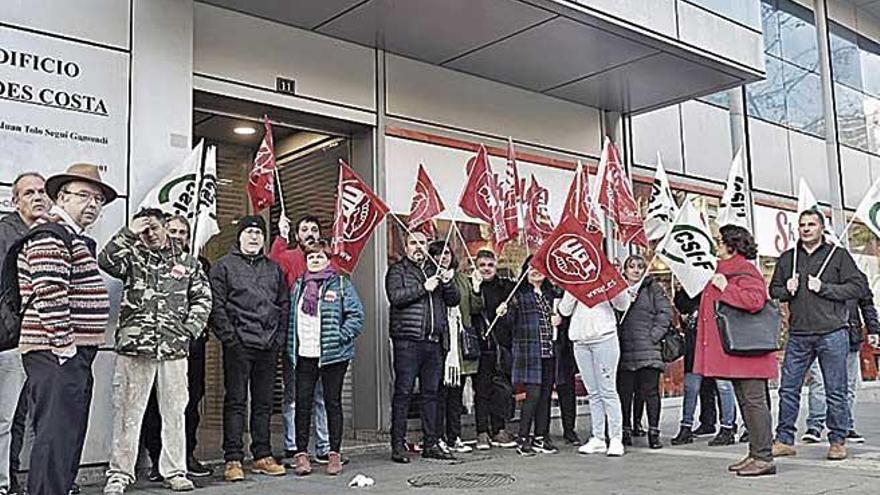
[(807, 202), (869, 209), (662, 208), (689, 250), (176, 193), (736, 202), (206, 222)]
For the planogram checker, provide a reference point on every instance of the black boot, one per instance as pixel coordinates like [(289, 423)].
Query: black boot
[(399, 455), (627, 438), (637, 431), (654, 439), (685, 435), (724, 437)]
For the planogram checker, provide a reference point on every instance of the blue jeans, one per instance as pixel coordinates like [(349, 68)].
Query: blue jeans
[(598, 366), (423, 360), (816, 417), (692, 383), (319, 414), (11, 383), (800, 352)]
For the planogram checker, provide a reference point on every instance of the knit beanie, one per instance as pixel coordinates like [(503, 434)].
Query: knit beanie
[(251, 221)]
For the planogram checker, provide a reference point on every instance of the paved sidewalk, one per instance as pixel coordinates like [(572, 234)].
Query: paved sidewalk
[(694, 469)]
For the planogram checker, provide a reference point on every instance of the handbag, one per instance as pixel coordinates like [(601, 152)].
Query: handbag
[(470, 343), (672, 345), (748, 334)]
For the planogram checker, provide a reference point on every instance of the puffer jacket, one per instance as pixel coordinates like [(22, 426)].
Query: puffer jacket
[(251, 301), (342, 320), (643, 327), (166, 299), (592, 325), (416, 314)]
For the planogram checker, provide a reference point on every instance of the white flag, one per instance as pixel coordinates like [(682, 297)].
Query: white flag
[(175, 194), (736, 202), (869, 209), (662, 208), (206, 223), (807, 201), (689, 250)]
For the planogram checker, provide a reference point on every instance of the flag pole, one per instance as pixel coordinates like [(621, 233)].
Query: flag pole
[(200, 166), (519, 282), (834, 248), (464, 245), (409, 232), (280, 191)]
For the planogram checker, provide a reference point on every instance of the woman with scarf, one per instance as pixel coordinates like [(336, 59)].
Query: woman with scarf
[(534, 325), (326, 316)]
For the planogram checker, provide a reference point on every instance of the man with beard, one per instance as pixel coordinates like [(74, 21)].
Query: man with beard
[(31, 202), (165, 305), (293, 264)]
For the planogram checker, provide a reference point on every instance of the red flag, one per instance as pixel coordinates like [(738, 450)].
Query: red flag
[(261, 180), (426, 203), (538, 224), (358, 212), (572, 258), (616, 198), (579, 203), (511, 195), (481, 197)]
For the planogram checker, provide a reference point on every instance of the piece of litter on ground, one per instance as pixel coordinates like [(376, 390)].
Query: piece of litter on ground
[(361, 481)]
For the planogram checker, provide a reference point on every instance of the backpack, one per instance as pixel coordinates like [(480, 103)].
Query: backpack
[(11, 308)]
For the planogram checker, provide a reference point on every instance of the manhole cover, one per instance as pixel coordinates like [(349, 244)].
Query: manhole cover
[(461, 480)]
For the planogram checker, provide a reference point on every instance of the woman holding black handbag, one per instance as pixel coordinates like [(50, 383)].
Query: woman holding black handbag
[(738, 284), (641, 332)]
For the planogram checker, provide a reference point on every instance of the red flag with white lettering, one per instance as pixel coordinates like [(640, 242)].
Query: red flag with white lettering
[(572, 258), (358, 212), (579, 203), (538, 224), (426, 203), (481, 197), (616, 198), (511, 195), (261, 179)]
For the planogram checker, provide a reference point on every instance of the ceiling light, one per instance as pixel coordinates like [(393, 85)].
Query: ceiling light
[(244, 131)]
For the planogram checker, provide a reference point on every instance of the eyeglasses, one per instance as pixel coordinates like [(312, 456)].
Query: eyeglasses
[(86, 197)]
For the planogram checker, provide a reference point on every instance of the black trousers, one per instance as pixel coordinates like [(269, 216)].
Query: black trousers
[(491, 408), (642, 384), (151, 429), (422, 360), (536, 408), (709, 402), (247, 370), (332, 377), (752, 397), (19, 427), (60, 396), (565, 393), (451, 408)]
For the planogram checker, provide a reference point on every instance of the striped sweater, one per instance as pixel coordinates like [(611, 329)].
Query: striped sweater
[(72, 305)]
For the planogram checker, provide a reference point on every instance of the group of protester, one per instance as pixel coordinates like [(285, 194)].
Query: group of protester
[(446, 324), (258, 305)]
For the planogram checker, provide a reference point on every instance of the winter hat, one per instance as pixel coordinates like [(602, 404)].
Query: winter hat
[(251, 221)]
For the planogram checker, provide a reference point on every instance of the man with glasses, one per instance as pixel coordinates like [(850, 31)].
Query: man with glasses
[(63, 325), (31, 202)]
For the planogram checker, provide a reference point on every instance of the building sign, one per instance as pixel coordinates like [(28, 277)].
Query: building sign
[(775, 230), (6, 204), (62, 102)]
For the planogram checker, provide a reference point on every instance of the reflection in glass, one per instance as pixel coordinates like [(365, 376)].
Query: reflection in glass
[(798, 35), (803, 100), (845, 62), (766, 99), (872, 123), (770, 25), (850, 117), (870, 66)]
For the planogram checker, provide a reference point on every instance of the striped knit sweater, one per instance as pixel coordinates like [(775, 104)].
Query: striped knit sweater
[(71, 305)]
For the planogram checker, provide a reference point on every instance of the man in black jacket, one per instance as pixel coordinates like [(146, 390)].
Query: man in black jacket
[(818, 327), (250, 318), (419, 330)]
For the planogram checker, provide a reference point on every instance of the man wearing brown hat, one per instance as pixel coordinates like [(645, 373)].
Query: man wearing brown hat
[(67, 308)]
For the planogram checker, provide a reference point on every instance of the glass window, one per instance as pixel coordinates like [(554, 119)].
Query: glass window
[(746, 12), (872, 123), (770, 26), (845, 60), (870, 66), (798, 35), (766, 99), (850, 117), (803, 100), (720, 99)]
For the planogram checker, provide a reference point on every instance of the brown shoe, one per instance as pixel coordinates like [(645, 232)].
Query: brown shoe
[(233, 471), (783, 449), (302, 466), (268, 466), (758, 468), (837, 452), (335, 465), (741, 464)]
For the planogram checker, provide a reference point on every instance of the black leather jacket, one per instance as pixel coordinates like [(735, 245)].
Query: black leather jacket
[(417, 314)]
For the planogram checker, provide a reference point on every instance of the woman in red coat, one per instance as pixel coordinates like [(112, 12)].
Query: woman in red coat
[(738, 283)]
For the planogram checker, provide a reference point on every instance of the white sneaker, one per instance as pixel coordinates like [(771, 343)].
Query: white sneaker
[(594, 446), (442, 444), (115, 485), (615, 448), (180, 483), (460, 447)]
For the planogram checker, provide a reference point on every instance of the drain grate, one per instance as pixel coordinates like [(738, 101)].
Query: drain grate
[(461, 480)]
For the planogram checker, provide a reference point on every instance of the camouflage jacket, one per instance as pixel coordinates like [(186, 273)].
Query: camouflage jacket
[(166, 298)]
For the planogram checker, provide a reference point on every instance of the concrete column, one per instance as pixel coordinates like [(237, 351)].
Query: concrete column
[(738, 123), (831, 147)]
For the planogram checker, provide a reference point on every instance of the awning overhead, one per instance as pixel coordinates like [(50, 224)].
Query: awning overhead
[(540, 45)]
